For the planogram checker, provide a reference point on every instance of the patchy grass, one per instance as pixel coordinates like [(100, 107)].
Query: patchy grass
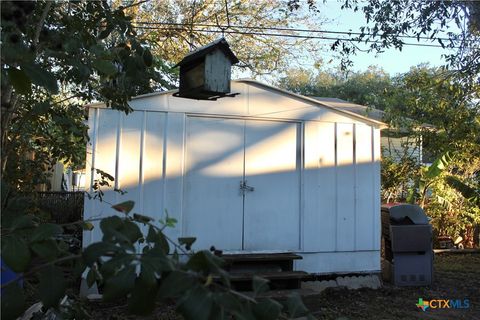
[(456, 277)]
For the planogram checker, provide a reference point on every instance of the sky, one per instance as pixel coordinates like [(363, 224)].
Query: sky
[(393, 61)]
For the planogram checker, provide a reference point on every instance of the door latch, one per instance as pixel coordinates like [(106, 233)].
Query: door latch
[(245, 188)]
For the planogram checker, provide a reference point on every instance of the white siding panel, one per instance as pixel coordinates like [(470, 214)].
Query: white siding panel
[(153, 164), (89, 204), (213, 204), (328, 262), (376, 188), (174, 153), (319, 223), (104, 158), (345, 188), (364, 193), (272, 210), (129, 158)]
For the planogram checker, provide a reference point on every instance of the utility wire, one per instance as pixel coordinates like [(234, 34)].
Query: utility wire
[(285, 35), (349, 33)]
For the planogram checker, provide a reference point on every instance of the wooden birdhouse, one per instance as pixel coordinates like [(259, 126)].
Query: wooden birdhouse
[(205, 73)]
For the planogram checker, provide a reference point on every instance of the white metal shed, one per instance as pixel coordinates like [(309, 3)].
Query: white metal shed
[(265, 171)]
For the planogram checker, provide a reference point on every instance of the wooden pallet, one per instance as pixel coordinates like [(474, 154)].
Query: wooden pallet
[(276, 267)]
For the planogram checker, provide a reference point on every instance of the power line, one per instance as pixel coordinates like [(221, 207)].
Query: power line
[(349, 33), (285, 35)]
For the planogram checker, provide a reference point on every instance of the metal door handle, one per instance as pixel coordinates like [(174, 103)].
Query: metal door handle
[(245, 188)]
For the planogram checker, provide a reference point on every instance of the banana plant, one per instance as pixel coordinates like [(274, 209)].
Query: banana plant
[(418, 192), (471, 193)]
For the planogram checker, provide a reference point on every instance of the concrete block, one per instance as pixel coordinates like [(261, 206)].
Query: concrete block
[(319, 286), (354, 282)]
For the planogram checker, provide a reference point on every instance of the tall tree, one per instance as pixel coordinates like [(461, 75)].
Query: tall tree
[(392, 23), (175, 27), (366, 88), (57, 56)]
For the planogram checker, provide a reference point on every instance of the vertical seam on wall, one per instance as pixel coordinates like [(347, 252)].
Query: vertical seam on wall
[(92, 173), (94, 146), (141, 173), (374, 171), (335, 134), (164, 164), (117, 153), (183, 171), (301, 167), (244, 179), (355, 187)]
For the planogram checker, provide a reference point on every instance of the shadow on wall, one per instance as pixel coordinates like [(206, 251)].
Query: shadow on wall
[(203, 176)]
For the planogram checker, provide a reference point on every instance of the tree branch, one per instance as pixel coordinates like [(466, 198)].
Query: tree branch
[(41, 22)]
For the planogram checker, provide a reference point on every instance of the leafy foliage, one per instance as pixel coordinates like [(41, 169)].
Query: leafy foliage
[(56, 57), (367, 88), (175, 27), (127, 264), (390, 24)]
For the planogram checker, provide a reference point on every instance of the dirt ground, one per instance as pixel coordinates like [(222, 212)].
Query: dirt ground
[(457, 276)]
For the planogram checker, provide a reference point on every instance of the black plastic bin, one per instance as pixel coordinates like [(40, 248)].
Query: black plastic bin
[(407, 239)]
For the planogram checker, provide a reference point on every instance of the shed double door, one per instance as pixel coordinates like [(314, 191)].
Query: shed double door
[(242, 184)]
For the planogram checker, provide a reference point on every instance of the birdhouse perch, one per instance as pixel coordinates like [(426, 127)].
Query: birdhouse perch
[(205, 73)]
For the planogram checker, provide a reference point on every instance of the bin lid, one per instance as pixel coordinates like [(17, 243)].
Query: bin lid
[(402, 211)]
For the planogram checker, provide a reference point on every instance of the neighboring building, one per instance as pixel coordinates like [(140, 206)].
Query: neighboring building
[(394, 143), (264, 171)]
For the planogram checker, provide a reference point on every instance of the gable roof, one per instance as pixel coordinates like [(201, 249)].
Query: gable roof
[(359, 109), (332, 104), (324, 102), (201, 52)]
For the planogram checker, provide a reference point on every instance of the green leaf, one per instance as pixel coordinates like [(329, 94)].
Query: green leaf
[(176, 283), (119, 285), (147, 57), (22, 221), (187, 241), (170, 222), (41, 77), (105, 33), (295, 306), (88, 226), (157, 237), (267, 309), (124, 207), (111, 223), (259, 285), (15, 253), (142, 300), (196, 304), (46, 231), (467, 191), (51, 287), (205, 261), (13, 301), (47, 249), (438, 166), (105, 66), (97, 250), (157, 259), (131, 230), (40, 108), (91, 278), (227, 301), (120, 261), (20, 81), (141, 218)]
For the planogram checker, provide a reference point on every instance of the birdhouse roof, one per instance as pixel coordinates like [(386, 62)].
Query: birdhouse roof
[(201, 52)]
